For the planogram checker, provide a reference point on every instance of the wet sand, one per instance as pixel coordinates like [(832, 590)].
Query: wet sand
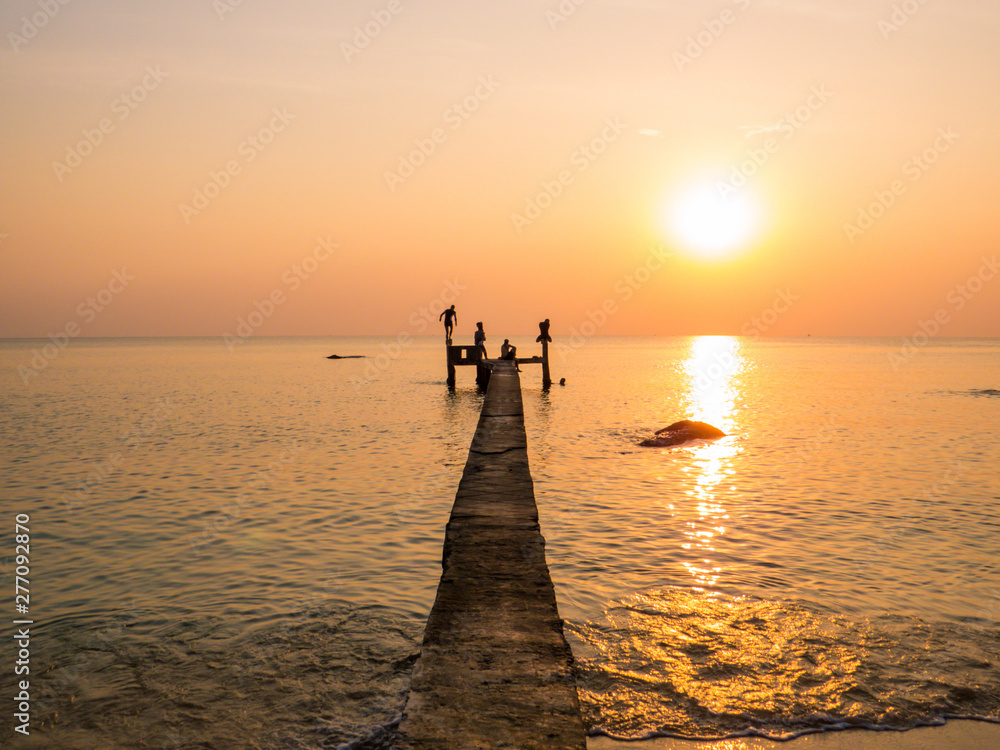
[(955, 735)]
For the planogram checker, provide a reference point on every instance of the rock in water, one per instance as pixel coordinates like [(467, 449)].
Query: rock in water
[(682, 432)]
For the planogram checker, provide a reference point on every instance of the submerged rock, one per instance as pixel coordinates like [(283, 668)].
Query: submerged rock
[(682, 432), (346, 356)]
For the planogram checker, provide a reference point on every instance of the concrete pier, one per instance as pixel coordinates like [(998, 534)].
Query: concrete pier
[(461, 355), (467, 355), (495, 670)]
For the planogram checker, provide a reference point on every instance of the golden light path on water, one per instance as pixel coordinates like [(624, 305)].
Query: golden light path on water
[(736, 623), (713, 366), (688, 658)]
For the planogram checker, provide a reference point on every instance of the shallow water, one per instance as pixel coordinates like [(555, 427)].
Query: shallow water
[(240, 549), (833, 561)]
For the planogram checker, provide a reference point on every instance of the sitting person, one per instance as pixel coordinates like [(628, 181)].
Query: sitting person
[(509, 352), (543, 329)]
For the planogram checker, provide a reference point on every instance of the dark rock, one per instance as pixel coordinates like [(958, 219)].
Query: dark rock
[(346, 356), (682, 432)]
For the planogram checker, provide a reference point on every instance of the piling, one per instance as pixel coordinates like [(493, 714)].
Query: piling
[(458, 355), (494, 668), (467, 355), (546, 378)]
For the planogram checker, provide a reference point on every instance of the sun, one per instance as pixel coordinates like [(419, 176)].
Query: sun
[(711, 224)]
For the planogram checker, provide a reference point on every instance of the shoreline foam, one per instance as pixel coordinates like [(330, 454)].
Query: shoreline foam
[(954, 735)]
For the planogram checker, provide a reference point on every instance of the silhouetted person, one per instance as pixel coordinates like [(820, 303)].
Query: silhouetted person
[(450, 319), (480, 340), (543, 327), (509, 352)]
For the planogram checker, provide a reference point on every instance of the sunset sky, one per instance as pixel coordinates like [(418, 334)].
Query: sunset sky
[(776, 167)]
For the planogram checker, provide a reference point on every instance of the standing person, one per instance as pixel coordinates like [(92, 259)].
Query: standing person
[(450, 319), (480, 340)]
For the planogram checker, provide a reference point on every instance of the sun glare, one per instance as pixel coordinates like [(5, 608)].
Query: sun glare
[(712, 225)]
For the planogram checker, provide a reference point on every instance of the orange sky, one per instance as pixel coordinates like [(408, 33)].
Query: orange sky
[(169, 168)]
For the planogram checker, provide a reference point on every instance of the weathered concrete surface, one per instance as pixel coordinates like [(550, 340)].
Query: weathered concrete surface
[(495, 670)]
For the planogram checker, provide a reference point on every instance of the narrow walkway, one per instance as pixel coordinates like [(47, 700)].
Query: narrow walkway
[(494, 669)]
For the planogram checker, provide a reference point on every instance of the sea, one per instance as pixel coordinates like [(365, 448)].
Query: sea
[(237, 544)]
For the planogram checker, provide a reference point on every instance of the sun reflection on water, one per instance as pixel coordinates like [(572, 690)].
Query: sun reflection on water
[(734, 638), (714, 364), (714, 367)]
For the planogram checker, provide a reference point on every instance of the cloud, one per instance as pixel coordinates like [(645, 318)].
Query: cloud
[(749, 131)]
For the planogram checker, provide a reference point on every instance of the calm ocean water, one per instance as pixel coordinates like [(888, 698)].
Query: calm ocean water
[(239, 550)]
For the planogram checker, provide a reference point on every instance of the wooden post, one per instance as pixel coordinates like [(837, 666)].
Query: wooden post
[(546, 380), (482, 370)]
